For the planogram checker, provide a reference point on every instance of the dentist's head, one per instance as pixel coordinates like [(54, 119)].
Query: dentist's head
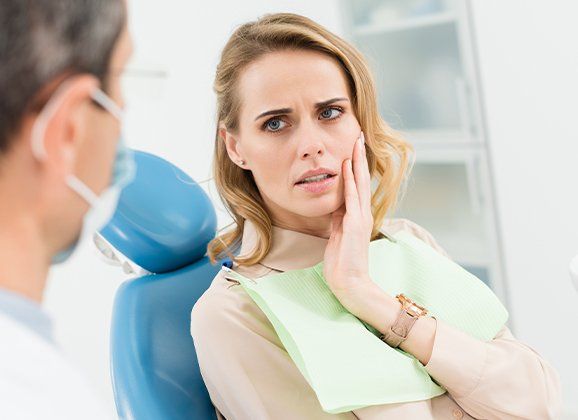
[(292, 99), (62, 164)]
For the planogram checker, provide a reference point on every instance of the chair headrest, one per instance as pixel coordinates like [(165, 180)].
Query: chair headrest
[(164, 219)]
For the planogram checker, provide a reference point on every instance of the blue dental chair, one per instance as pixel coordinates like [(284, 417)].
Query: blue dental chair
[(162, 225)]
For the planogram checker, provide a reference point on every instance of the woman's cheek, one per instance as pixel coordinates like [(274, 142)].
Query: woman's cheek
[(272, 175), (346, 145), (346, 135)]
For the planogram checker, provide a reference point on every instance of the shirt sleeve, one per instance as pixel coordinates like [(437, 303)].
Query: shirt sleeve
[(500, 379), (247, 371)]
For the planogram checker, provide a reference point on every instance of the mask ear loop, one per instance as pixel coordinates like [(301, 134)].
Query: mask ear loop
[(81, 189), (104, 100), (39, 131), (39, 128)]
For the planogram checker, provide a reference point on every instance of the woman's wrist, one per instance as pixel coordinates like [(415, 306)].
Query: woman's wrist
[(382, 310), (420, 339), (379, 309)]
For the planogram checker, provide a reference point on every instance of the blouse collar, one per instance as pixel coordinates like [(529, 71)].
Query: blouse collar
[(290, 250)]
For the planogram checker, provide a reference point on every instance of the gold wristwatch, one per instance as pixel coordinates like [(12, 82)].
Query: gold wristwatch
[(408, 314)]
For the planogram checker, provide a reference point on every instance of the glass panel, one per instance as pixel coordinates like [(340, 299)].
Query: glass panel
[(417, 74), (372, 12), (446, 200), (414, 50)]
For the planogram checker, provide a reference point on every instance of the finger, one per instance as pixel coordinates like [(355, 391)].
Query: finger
[(365, 160), (336, 222), (350, 190), (340, 211), (364, 186), (357, 160)]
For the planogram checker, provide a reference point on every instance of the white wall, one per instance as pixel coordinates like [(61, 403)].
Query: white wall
[(530, 105), (529, 66)]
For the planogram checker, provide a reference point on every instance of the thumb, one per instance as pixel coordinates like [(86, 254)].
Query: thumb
[(337, 219)]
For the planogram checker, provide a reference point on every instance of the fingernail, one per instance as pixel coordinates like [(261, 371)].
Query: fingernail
[(362, 138)]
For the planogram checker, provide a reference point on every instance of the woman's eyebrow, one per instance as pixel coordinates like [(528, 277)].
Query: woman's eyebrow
[(275, 112), (329, 102), (290, 110)]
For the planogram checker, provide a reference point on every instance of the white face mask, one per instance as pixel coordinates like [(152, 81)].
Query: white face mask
[(102, 207)]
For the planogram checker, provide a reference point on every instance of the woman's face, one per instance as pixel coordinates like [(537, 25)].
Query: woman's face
[(296, 116)]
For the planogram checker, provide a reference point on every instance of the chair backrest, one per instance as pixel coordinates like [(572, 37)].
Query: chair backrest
[(163, 224), (155, 373)]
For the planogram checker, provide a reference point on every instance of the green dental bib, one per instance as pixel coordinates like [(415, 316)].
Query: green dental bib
[(341, 357)]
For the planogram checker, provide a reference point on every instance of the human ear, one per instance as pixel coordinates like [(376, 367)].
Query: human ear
[(64, 120), (233, 147)]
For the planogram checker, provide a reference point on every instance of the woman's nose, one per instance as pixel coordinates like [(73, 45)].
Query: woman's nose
[(312, 151), (311, 140)]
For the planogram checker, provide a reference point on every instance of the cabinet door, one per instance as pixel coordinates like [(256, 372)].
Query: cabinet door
[(423, 61), (449, 194), (415, 52)]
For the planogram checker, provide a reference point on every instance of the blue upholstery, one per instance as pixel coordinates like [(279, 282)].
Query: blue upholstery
[(164, 220), (163, 223)]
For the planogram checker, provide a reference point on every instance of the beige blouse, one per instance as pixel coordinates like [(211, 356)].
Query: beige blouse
[(250, 376)]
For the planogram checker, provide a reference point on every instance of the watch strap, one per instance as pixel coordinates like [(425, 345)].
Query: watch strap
[(406, 318)]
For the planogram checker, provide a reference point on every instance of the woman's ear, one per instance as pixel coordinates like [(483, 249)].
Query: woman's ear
[(234, 148)]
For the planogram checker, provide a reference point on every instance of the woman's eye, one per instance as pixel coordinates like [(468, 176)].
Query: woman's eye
[(330, 113), (275, 124)]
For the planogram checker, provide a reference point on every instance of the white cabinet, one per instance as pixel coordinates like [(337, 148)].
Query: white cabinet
[(423, 58)]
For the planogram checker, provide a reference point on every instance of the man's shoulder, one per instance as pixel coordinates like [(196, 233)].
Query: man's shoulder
[(35, 369)]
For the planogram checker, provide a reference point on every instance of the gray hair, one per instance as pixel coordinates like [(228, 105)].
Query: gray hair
[(43, 39)]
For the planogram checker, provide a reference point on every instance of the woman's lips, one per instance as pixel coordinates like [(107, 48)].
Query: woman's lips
[(318, 186)]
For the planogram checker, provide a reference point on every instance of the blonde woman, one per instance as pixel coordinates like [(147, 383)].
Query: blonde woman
[(298, 140)]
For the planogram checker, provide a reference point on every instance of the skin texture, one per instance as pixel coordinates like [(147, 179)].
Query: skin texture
[(41, 215), (300, 135)]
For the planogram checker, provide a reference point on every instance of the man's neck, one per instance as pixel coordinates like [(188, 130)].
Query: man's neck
[(23, 260)]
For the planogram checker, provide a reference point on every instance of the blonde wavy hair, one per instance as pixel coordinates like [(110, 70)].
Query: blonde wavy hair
[(389, 156)]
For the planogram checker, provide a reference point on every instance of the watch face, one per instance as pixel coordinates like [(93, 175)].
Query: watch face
[(410, 306)]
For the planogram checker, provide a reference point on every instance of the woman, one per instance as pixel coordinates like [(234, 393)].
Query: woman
[(296, 103)]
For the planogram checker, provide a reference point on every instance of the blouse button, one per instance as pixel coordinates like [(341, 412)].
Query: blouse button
[(457, 413)]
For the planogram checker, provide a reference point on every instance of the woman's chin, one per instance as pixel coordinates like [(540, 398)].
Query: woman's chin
[(320, 206)]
